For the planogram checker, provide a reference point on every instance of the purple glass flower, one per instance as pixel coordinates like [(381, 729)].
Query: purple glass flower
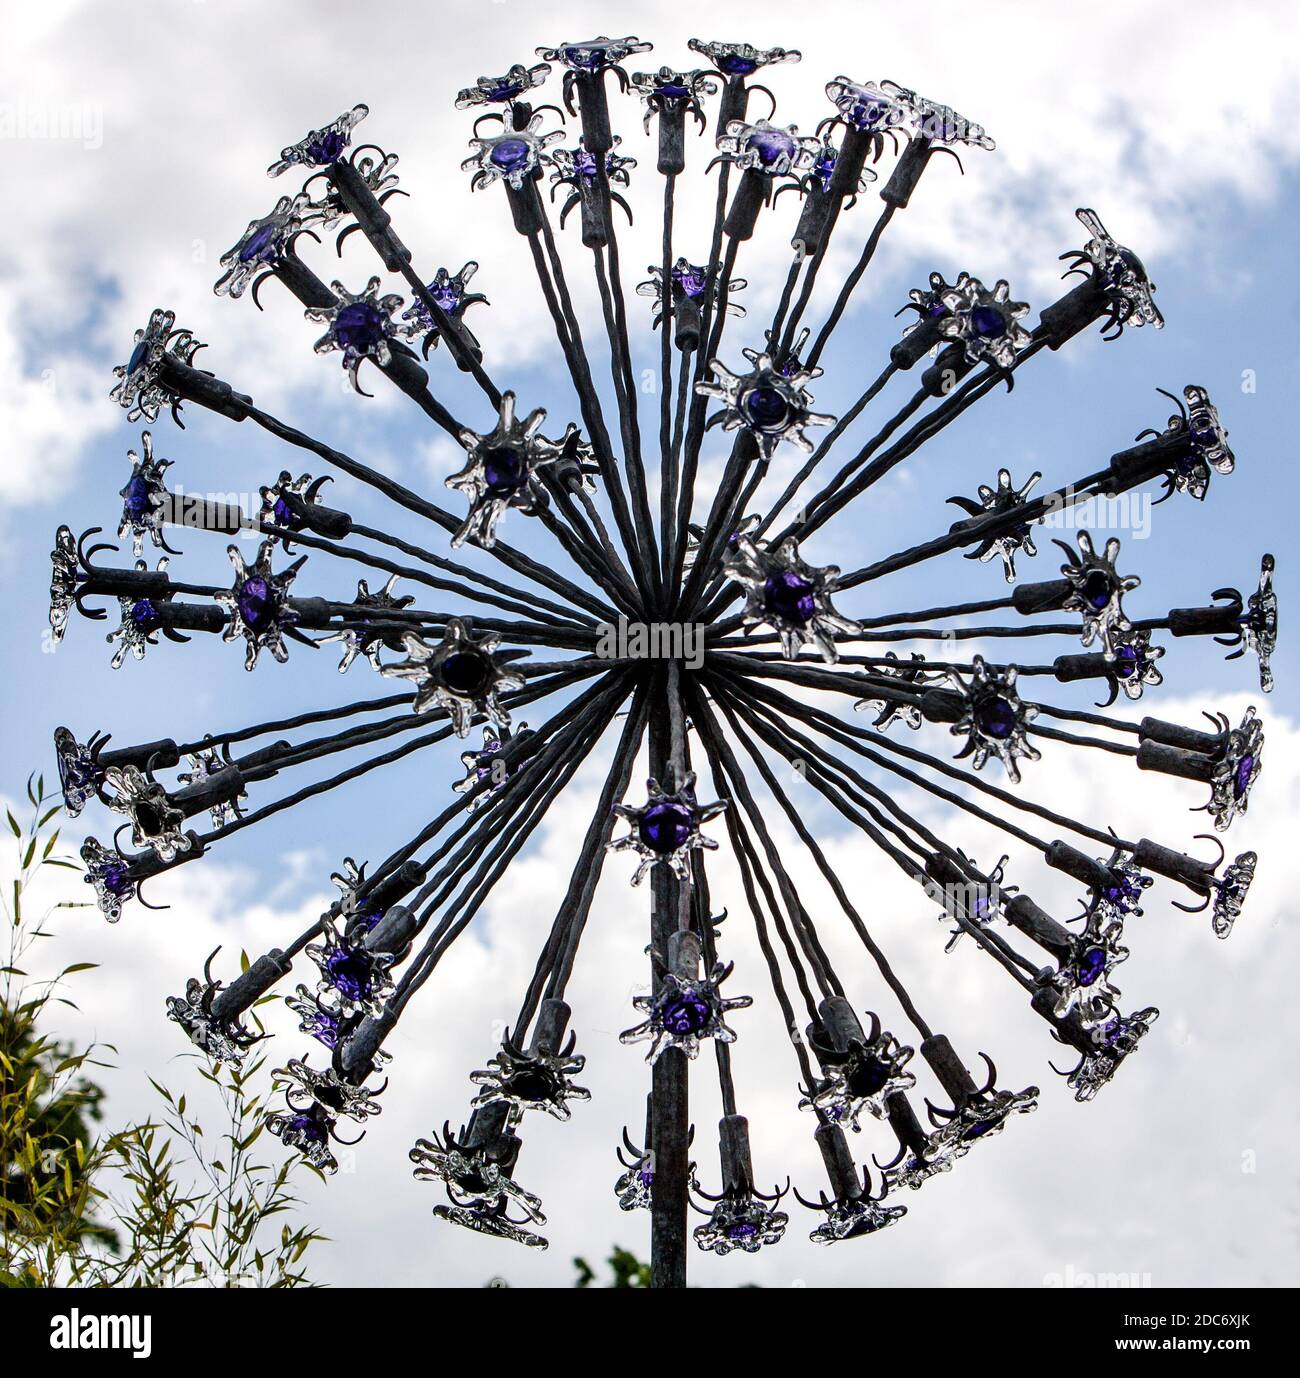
[(110, 874), (1097, 592), (685, 1012), (512, 157), (767, 148), (258, 604), (666, 828), (866, 106), (458, 674), (593, 55), (794, 598), (263, 242), (993, 718), (741, 59), (503, 90), (320, 147), (1119, 271), (1236, 770), (140, 390)]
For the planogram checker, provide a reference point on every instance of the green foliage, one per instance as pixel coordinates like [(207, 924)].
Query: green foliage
[(625, 1270), (153, 1204)]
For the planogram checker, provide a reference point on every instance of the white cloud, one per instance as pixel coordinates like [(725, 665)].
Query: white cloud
[(1161, 114)]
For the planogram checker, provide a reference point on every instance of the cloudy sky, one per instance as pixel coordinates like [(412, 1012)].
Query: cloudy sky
[(134, 139)]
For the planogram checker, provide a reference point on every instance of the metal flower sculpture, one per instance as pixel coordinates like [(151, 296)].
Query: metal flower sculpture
[(625, 536)]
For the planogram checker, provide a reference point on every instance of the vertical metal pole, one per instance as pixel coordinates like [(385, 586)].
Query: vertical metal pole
[(669, 1110)]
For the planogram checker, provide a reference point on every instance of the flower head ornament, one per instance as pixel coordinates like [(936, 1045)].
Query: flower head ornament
[(374, 170), (462, 675), (156, 822), (64, 576), (1134, 667), (635, 1185), (140, 390), (283, 501), (204, 765), (783, 592), (320, 147), (448, 291), (741, 59), (1205, 448), (685, 1012), (931, 306), (745, 1222), (1121, 275), (822, 172), (222, 1039), (912, 672), (669, 90), (80, 772), (859, 1080), (593, 55), (974, 905), (513, 157), (353, 979), (360, 325), (110, 874), (1097, 592), (981, 1116), (986, 324), (1083, 983), (854, 1217), (258, 603), (326, 1023), (994, 718), (501, 471), (505, 89), (472, 1176), (262, 243), (1258, 624), (769, 403), (941, 124), (578, 167), (1236, 771), (866, 106), (1113, 1042), (315, 1102), (494, 1221), (139, 625), (532, 1080), (767, 148), (1122, 895), (485, 766), (368, 635), (1230, 893), (666, 828), (144, 497), (1002, 500), (688, 282)]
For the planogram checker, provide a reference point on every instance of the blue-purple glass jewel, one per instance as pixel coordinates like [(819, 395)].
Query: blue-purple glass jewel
[(467, 672), (359, 326), (665, 826), (256, 602), (790, 597)]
